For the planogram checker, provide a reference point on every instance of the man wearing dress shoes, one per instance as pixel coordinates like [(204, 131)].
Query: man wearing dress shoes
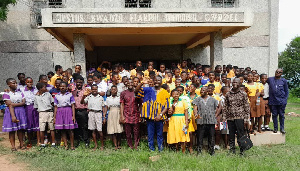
[(278, 95)]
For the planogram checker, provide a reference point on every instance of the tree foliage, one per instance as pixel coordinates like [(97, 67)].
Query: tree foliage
[(4, 8), (289, 60)]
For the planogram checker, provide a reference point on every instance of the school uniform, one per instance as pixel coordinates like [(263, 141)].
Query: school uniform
[(255, 110), (267, 113), (8, 125), (43, 104), (53, 79), (176, 123), (31, 112), (217, 85), (95, 105), (113, 120), (21, 87), (64, 115)]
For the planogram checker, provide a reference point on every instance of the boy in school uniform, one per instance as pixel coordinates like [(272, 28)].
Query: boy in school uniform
[(43, 102), (97, 111)]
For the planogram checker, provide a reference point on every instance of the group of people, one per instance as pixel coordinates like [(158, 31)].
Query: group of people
[(178, 104)]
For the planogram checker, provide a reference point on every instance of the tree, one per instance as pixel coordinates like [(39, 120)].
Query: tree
[(289, 61), (4, 8)]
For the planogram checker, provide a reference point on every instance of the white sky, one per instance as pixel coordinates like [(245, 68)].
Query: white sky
[(289, 25)]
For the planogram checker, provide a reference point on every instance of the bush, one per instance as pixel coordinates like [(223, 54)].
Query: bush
[(295, 92)]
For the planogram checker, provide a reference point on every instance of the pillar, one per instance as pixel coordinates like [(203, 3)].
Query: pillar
[(79, 52), (216, 49), (273, 47)]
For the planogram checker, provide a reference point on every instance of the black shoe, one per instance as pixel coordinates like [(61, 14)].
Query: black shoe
[(232, 151), (42, 148), (87, 145), (199, 151), (283, 131), (275, 131), (263, 128), (268, 129), (77, 144), (212, 152)]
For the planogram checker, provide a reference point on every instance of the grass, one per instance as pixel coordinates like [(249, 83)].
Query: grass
[(268, 157)]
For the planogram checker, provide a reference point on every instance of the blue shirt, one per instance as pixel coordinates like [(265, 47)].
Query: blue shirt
[(278, 91)]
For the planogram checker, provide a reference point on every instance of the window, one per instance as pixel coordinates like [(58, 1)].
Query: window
[(137, 3), (223, 3), (55, 3)]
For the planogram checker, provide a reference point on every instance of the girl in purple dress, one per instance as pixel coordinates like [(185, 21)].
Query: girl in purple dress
[(32, 114), (14, 117), (64, 114)]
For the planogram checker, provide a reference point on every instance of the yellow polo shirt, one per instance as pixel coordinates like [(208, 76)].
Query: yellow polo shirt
[(53, 79)]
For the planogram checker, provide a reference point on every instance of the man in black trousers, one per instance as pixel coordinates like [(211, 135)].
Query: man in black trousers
[(236, 111)]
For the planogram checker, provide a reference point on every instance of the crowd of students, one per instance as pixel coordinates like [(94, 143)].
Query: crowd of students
[(178, 103)]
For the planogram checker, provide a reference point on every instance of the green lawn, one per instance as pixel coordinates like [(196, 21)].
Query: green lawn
[(269, 157)]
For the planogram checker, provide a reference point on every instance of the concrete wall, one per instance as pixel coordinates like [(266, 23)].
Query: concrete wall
[(256, 46), (28, 50), (35, 52)]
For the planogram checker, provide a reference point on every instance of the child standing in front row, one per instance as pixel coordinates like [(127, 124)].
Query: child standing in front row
[(14, 116), (113, 121), (267, 114), (43, 102), (32, 114), (64, 114), (97, 111)]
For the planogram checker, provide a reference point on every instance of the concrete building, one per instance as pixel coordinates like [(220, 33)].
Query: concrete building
[(40, 34)]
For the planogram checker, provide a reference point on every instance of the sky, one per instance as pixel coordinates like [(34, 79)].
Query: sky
[(289, 25)]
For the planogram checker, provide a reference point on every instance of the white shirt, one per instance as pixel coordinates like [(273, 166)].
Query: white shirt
[(124, 73), (120, 86), (112, 101), (266, 90), (102, 86), (29, 95), (94, 102)]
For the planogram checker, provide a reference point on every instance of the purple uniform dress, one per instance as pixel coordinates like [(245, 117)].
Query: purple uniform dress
[(64, 111), (8, 125), (31, 112)]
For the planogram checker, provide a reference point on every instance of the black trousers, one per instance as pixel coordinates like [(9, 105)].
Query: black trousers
[(235, 127), (210, 130), (82, 132)]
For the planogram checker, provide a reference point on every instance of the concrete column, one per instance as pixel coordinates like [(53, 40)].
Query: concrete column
[(273, 49), (79, 52), (216, 48)]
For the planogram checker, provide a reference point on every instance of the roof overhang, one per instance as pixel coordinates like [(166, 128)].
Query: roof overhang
[(139, 27)]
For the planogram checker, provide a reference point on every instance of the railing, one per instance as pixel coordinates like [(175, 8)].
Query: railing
[(224, 3), (138, 4), (37, 5)]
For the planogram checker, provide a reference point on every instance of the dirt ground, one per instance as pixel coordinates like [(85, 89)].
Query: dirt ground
[(8, 161)]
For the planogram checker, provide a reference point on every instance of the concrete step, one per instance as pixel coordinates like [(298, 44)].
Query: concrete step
[(267, 137)]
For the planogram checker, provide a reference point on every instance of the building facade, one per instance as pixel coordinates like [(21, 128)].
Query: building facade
[(40, 34)]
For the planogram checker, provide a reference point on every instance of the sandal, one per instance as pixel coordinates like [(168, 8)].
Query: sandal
[(72, 148), (23, 148), (13, 149)]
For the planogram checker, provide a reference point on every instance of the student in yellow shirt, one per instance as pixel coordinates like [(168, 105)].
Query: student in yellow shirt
[(210, 92), (218, 86), (134, 71), (230, 72), (254, 92), (196, 81), (59, 71)]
